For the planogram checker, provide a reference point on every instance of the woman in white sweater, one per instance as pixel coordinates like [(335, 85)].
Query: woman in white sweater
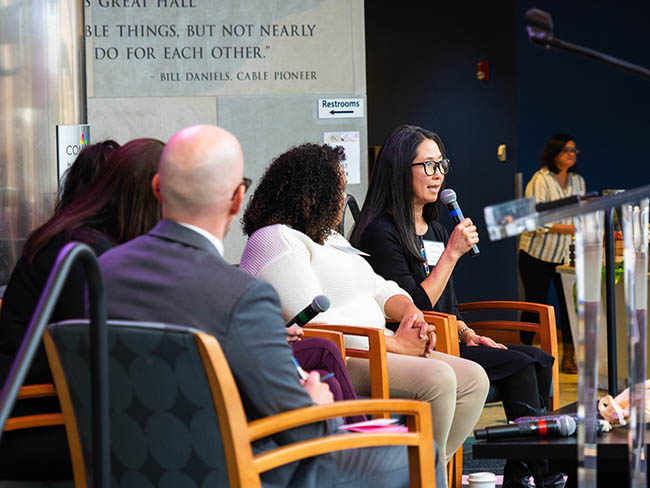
[(291, 221)]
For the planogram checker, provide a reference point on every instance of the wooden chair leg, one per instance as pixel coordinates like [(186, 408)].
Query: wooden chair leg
[(455, 469)]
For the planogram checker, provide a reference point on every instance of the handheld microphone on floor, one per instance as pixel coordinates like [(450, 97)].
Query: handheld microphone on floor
[(562, 426), (448, 197), (319, 304)]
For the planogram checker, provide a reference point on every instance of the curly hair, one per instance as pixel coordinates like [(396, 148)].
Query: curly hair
[(301, 188)]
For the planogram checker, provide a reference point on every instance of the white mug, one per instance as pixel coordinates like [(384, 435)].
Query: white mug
[(482, 480)]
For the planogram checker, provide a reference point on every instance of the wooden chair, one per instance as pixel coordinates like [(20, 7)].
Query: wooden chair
[(376, 355), (447, 342), (35, 420), (334, 336), (223, 434)]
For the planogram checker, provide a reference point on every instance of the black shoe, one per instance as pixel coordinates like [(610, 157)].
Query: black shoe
[(550, 480), (516, 474)]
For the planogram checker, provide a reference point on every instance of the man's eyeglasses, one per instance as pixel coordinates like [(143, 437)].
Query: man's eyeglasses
[(430, 167), (571, 150), (246, 182)]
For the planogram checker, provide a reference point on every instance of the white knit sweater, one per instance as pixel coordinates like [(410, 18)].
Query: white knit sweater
[(300, 269)]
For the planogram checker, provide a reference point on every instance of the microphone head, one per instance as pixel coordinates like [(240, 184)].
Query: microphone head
[(566, 425), (447, 196), (320, 303), (539, 26)]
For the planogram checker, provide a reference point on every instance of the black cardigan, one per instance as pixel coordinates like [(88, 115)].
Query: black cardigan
[(390, 260), (24, 290)]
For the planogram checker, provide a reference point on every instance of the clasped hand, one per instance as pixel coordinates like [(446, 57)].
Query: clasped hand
[(415, 336)]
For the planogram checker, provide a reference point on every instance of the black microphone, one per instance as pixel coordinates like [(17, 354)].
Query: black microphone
[(448, 197), (319, 304), (539, 25), (562, 426)]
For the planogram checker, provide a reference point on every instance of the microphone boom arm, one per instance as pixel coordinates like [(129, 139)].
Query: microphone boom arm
[(540, 32)]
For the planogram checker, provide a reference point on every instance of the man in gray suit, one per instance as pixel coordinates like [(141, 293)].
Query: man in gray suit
[(176, 274)]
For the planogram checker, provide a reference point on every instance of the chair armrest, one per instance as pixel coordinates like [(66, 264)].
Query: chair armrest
[(376, 354), (37, 420), (446, 332), (333, 335), (36, 391), (419, 438), (267, 426), (546, 329)]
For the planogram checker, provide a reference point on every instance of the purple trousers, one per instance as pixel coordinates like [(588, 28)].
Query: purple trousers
[(322, 355)]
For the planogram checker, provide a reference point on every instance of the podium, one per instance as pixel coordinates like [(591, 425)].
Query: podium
[(511, 219)]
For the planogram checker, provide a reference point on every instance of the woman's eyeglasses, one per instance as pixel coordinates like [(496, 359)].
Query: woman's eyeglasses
[(430, 167), (571, 150)]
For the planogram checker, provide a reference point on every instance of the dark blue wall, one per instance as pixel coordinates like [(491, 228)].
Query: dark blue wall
[(421, 69), (607, 110)]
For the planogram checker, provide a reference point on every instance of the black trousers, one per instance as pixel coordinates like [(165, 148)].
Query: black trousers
[(536, 276)]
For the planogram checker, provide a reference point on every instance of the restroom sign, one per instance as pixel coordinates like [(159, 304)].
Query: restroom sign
[(340, 108)]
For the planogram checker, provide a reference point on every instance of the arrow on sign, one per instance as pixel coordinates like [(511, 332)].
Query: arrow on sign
[(340, 112)]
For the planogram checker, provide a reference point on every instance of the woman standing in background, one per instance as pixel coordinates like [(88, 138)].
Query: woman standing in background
[(543, 249)]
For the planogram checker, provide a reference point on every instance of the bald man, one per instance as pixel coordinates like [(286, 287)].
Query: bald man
[(176, 274)]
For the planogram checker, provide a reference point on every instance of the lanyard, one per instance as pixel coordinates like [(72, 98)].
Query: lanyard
[(424, 256)]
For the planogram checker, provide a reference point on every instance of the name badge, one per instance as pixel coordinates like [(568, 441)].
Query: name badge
[(433, 250)]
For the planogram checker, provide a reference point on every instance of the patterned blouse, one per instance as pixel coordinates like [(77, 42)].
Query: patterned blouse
[(540, 243)]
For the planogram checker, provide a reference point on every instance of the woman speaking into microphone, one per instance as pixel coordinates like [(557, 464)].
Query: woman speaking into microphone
[(398, 228)]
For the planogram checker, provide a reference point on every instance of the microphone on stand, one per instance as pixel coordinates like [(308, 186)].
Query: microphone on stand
[(319, 304), (562, 426), (539, 25), (448, 197)]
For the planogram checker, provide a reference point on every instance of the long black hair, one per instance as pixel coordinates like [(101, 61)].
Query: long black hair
[(553, 147), (118, 203), (78, 177), (391, 187)]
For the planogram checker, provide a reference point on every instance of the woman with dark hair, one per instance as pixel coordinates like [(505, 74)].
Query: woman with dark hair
[(117, 206), (291, 221), (543, 249), (84, 169), (399, 230)]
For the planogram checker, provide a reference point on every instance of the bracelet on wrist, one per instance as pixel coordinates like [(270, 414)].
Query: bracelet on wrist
[(462, 331)]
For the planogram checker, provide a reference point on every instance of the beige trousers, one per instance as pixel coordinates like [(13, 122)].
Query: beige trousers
[(455, 388)]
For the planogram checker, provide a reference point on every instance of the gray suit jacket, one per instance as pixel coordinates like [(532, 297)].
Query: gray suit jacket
[(174, 275)]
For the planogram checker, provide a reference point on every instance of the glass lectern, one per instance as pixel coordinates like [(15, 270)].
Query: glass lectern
[(512, 218)]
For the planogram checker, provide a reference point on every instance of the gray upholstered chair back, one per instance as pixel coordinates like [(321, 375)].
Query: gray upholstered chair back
[(36, 484), (163, 425)]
